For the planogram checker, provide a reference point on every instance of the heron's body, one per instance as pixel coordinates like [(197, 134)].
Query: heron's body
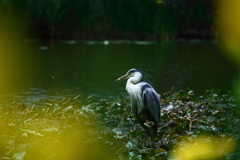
[(145, 101)]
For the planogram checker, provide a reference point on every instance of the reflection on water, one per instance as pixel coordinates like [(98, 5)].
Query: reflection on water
[(68, 68)]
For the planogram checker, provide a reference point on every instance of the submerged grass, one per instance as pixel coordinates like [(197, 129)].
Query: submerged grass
[(69, 129)]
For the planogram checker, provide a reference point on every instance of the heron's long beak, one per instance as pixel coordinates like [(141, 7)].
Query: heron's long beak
[(123, 77)]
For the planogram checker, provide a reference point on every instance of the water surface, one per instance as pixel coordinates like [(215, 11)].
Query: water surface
[(68, 68)]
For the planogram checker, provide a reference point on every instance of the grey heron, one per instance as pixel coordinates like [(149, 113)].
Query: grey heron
[(145, 101)]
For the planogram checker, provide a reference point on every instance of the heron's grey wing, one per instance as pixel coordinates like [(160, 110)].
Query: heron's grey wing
[(151, 101)]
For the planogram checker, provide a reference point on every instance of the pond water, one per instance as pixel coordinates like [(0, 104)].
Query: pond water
[(69, 68)]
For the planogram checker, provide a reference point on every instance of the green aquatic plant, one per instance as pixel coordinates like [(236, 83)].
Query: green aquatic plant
[(75, 128)]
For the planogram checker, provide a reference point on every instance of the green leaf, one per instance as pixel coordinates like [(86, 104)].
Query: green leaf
[(185, 124), (131, 144), (19, 155)]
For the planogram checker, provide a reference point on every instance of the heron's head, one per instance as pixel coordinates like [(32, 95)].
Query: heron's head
[(131, 73)]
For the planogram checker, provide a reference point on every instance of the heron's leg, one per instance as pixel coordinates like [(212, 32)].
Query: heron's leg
[(148, 141), (144, 139), (159, 143), (144, 136)]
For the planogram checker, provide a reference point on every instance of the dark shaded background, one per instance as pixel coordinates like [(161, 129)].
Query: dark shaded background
[(106, 19)]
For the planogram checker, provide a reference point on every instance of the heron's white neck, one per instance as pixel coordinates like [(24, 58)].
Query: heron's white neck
[(135, 79), (132, 82)]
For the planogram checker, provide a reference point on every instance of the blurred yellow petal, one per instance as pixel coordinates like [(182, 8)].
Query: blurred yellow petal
[(206, 147), (159, 1), (228, 24)]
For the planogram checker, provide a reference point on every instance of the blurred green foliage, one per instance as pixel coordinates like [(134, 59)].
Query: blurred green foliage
[(118, 19)]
